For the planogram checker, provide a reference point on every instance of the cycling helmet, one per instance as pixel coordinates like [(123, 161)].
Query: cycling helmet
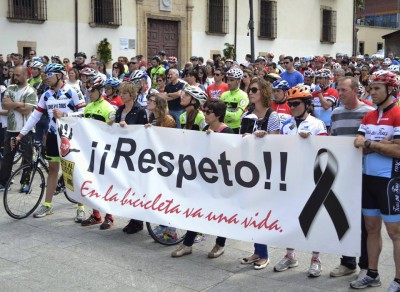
[(234, 73), (339, 55), (309, 73), (296, 65), (303, 59), (385, 77), (37, 65), (336, 66), (196, 93), (172, 59), (319, 59), (260, 58), (113, 82), (360, 57), (138, 74), (386, 63), (323, 73), (273, 77), (56, 57), (37, 59), (55, 68), (394, 68), (95, 82), (87, 71), (80, 54), (270, 55), (306, 87), (153, 91), (281, 84), (299, 91)]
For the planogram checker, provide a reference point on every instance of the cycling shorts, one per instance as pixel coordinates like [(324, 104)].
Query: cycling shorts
[(52, 153)]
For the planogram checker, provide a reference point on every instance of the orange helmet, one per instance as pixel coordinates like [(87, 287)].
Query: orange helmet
[(298, 92)]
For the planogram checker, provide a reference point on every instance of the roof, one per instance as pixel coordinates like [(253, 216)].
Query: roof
[(392, 34)]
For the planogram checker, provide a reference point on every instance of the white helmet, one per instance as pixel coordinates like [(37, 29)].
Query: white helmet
[(37, 65), (196, 93), (234, 73), (394, 68), (138, 74), (336, 66)]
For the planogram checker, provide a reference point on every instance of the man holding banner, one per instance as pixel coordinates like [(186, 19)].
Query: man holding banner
[(379, 136)]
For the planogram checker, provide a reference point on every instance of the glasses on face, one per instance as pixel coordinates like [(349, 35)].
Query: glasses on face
[(121, 61), (89, 85), (51, 74), (294, 103), (286, 63), (31, 54), (357, 73), (133, 62), (65, 61), (253, 89), (151, 100), (217, 74), (208, 112), (136, 81), (160, 80), (115, 68)]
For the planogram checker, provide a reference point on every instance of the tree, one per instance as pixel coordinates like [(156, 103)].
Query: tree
[(229, 51), (104, 51)]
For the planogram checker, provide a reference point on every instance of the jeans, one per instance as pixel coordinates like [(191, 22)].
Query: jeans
[(191, 235), (176, 114), (350, 262), (7, 162), (2, 136), (261, 250)]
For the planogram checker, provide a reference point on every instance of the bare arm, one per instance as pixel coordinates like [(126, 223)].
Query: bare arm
[(326, 104), (174, 95), (383, 147)]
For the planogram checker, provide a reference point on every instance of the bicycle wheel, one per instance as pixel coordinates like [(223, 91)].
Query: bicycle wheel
[(69, 198), (24, 191), (165, 235), (17, 157)]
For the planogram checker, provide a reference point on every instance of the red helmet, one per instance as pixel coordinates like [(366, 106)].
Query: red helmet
[(319, 59), (270, 55), (172, 59), (385, 77)]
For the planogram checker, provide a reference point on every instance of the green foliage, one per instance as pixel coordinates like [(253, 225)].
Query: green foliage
[(229, 51), (104, 51)]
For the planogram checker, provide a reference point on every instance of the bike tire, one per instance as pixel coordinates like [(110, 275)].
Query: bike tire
[(164, 239), (17, 157), (69, 198), (17, 204)]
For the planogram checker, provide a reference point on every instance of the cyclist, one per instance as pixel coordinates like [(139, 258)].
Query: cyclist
[(236, 100), (98, 109), (139, 78), (302, 123), (59, 100), (85, 74), (111, 92), (279, 102)]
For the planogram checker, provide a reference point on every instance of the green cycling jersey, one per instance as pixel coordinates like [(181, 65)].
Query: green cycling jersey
[(236, 103)]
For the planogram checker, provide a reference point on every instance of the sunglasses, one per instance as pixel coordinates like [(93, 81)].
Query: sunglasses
[(133, 63), (65, 61), (115, 68), (160, 80), (89, 85), (217, 74), (294, 103), (357, 73), (286, 62), (51, 74), (208, 112), (253, 89)]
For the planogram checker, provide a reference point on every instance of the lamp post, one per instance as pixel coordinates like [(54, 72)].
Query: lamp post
[(251, 27)]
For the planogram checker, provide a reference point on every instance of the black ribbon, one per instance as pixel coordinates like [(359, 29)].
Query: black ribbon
[(323, 195)]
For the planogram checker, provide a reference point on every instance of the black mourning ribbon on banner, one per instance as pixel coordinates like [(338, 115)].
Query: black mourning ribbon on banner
[(323, 194)]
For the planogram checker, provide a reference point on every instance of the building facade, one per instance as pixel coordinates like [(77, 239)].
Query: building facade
[(180, 27)]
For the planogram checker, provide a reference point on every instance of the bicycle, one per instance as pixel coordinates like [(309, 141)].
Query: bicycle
[(25, 188), (165, 235)]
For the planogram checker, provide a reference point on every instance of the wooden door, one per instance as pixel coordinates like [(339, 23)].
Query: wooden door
[(162, 35)]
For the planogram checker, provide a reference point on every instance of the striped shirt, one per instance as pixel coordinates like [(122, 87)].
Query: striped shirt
[(345, 122)]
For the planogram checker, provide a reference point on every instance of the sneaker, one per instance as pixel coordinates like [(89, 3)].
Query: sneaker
[(43, 211), (258, 266), (181, 251), (80, 216), (24, 188), (92, 220), (216, 251), (286, 263), (362, 274), (108, 222), (341, 270), (133, 226), (199, 238), (394, 287), (315, 268), (365, 282)]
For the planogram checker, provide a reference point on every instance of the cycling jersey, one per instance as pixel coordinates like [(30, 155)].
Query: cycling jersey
[(283, 111), (236, 103), (199, 121), (330, 94), (100, 110), (115, 101), (310, 125), (251, 123), (377, 125)]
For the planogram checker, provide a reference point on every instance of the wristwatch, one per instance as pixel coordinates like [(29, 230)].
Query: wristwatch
[(367, 143)]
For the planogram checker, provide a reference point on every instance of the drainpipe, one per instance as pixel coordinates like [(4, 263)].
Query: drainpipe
[(251, 27), (235, 41), (76, 26)]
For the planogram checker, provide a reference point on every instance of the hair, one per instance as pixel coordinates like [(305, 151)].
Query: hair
[(251, 75), (354, 81), (204, 78), (156, 58), (174, 71), (124, 58), (218, 107), (104, 67), (290, 58), (273, 64), (339, 71), (161, 110), (77, 75), (128, 87), (120, 66), (265, 90), (162, 76), (201, 59)]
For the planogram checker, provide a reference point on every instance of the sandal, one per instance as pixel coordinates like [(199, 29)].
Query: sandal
[(249, 260), (258, 266)]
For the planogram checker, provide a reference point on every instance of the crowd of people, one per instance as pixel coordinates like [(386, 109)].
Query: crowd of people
[(353, 96)]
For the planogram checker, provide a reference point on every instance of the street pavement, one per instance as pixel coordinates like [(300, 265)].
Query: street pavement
[(56, 254)]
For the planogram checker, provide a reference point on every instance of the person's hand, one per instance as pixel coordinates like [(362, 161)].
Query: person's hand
[(260, 133), (359, 141), (147, 125), (317, 87), (122, 123), (209, 131), (245, 134), (304, 134), (57, 113), (14, 142), (387, 140)]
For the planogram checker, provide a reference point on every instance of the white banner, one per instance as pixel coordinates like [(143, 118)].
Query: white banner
[(281, 190)]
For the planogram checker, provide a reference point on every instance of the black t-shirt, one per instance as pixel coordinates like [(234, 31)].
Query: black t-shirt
[(174, 104), (226, 130)]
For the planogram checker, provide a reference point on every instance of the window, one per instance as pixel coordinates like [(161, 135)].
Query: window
[(268, 20), (361, 48), (27, 10), (106, 13), (379, 46), (382, 20), (218, 19), (328, 29)]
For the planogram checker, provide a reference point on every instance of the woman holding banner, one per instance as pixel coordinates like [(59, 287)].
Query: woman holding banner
[(131, 113), (302, 123), (192, 119), (261, 120)]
